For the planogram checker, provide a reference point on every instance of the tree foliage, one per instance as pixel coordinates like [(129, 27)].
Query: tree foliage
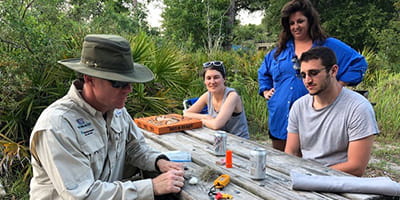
[(388, 41), (355, 22), (252, 5), (250, 32), (184, 23), (204, 23)]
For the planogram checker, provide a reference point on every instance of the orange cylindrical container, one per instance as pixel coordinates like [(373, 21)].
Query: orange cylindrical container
[(228, 159)]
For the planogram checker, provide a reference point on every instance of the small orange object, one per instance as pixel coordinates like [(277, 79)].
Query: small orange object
[(228, 159)]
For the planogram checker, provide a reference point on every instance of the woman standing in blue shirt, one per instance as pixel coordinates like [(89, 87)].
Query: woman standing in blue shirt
[(278, 75)]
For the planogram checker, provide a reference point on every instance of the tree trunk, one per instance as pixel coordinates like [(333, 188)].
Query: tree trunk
[(231, 22)]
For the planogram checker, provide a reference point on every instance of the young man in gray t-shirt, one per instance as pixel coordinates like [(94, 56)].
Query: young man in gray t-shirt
[(332, 124)]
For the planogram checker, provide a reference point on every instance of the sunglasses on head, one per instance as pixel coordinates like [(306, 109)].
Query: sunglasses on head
[(311, 73), (212, 63), (118, 84), (215, 64), (296, 66)]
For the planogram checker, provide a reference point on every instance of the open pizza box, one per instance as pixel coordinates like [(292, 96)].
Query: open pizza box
[(168, 123)]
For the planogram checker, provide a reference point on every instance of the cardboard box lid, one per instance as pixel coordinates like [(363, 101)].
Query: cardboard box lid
[(168, 123)]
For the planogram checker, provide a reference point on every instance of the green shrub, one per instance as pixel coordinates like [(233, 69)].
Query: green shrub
[(387, 97)]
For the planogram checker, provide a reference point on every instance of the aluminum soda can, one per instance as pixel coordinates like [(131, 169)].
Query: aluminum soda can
[(220, 143), (258, 160)]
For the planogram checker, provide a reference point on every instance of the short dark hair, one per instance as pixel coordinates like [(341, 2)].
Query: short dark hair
[(220, 68), (79, 76), (327, 56)]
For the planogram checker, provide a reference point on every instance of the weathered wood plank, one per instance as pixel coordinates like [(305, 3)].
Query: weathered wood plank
[(202, 154), (200, 190), (276, 159)]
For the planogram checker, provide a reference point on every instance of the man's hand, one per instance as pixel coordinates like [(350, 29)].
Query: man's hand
[(165, 165), (268, 93), (168, 182)]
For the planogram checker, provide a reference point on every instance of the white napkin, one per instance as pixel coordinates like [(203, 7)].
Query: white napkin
[(179, 156), (378, 185)]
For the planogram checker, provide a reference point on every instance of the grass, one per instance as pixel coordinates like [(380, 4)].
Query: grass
[(385, 93), (382, 168), (16, 186), (388, 152)]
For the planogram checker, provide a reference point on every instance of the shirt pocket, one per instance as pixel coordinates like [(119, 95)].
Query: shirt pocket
[(118, 127), (278, 68), (283, 69), (95, 152)]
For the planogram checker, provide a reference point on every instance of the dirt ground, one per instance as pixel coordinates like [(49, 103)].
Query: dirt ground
[(376, 172), (384, 165)]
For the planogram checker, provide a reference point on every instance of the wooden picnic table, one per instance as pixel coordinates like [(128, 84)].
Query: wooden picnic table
[(276, 185)]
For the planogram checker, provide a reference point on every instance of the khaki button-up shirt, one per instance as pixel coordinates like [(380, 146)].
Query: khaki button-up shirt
[(79, 154)]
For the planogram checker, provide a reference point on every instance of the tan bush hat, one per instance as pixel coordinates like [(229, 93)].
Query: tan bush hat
[(108, 57)]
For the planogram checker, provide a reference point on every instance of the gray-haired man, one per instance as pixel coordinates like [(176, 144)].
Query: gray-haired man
[(85, 144)]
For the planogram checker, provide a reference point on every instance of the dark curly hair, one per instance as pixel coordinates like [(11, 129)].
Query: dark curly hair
[(315, 30)]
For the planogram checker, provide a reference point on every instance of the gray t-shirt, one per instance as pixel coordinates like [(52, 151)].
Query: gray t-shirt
[(237, 124), (325, 133)]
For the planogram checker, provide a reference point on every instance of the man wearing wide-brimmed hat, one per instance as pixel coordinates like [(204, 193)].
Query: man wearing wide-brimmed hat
[(85, 144)]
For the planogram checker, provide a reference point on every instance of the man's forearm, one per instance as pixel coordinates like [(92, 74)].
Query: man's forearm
[(350, 168), (358, 156), (293, 145)]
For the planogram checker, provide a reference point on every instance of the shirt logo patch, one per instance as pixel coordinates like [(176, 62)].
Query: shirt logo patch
[(80, 121), (118, 112), (84, 127)]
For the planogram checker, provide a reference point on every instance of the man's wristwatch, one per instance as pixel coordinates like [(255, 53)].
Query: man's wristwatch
[(162, 156)]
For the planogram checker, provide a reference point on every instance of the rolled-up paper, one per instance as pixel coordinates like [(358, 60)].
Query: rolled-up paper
[(340, 184)]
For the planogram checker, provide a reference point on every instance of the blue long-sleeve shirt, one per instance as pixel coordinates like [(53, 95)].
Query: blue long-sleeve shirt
[(279, 74)]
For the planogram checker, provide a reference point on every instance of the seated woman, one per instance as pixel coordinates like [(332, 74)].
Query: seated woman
[(225, 107)]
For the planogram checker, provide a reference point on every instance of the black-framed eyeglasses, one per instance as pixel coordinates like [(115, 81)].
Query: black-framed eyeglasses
[(311, 73), (118, 84), (296, 66), (214, 63)]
